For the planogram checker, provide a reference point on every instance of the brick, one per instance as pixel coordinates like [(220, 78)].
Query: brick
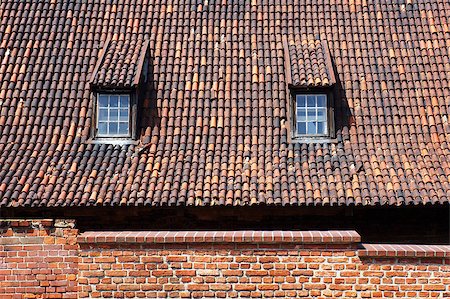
[(220, 287), (207, 272), (185, 273), (245, 287), (265, 287), (198, 287), (256, 273), (434, 287), (139, 273), (292, 286), (232, 272), (159, 273)]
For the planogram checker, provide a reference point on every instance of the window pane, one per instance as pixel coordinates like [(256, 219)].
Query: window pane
[(103, 114), (312, 127), (103, 101), (321, 101), (321, 128), (114, 101), (123, 115), (301, 101), (311, 114), (301, 114), (301, 128), (124, 101), (113, 128), (102, 128), (113, 114), (311, 101), (123, 128), (322, 114)]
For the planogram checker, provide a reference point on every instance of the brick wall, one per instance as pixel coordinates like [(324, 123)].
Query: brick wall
[(38, 259), (278, 264), (45, 259)]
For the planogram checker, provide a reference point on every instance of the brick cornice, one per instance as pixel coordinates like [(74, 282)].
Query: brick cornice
[(404, 250), (300, 237)]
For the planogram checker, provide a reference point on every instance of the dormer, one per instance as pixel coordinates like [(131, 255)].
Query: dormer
[(311, 80), (115, 84)]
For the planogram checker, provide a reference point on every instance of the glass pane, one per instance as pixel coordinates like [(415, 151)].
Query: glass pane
[(301, 114), (301, 128), (113, 127), (321, 114), (311, 101), (114, 101), (123, 115), (311, 114), (312, 127), (124, 101), (301, 101), (321, 128), (103, 101), (123, 128), (113, 114), (103, 114), (321, 101), (102, 128)]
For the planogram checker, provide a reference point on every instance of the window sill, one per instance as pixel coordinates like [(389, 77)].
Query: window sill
[(309, 140), (113, 141)]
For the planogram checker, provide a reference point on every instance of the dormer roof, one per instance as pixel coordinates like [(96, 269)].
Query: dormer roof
[(120, 63), (308, 63)]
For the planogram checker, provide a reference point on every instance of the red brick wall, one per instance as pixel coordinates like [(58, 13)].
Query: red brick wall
[(130, 265), (38, 259), (44, 259)]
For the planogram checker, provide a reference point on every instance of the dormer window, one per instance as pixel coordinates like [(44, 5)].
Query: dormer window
[(311, 80), (116, 82), (114, 115), (311, 115)]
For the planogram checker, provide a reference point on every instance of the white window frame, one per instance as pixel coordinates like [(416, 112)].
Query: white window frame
[(328, 133), (311, 115), (117, 136)]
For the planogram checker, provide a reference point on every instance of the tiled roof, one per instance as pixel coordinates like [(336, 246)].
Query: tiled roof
[(214, 113), (308, 63), (120, 63)]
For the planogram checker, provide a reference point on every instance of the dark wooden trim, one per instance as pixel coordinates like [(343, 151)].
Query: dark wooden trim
[(328, 62), (287, 60), (287, 67), (141, 61), (100, 60)]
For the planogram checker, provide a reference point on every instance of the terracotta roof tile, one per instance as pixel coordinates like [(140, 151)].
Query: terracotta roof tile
[(214, 126)]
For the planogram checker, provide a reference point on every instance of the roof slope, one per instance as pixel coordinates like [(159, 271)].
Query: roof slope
[(213, 127)]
